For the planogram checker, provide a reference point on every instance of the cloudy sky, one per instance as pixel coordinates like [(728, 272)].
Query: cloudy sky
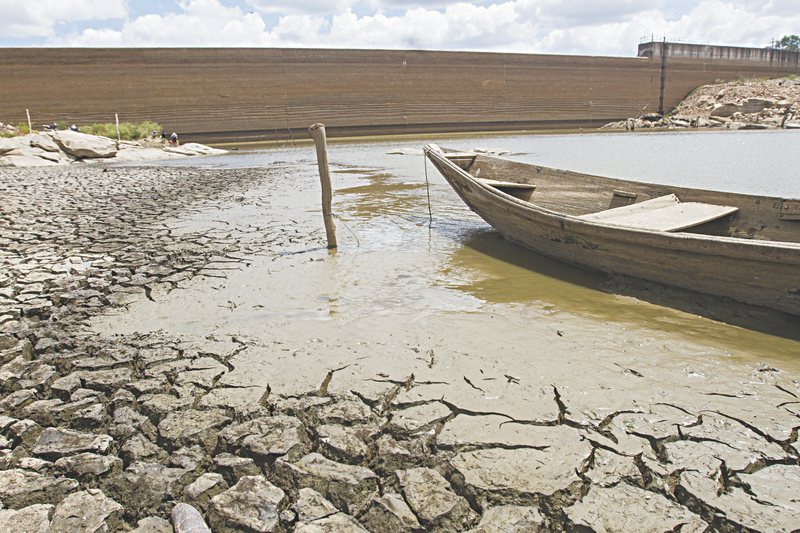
[(594, 27)]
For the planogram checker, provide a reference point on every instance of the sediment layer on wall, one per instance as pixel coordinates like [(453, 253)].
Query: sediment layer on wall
[(265, 94)]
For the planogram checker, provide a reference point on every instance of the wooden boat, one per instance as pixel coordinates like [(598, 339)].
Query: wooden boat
[(732, 245)]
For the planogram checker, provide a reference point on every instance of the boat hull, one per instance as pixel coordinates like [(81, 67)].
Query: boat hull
[(762, 273)]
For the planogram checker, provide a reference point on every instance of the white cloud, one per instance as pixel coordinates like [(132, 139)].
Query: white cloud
[(38, 18), (602, 27)]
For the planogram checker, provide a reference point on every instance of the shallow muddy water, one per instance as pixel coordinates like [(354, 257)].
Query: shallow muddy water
[(394, 261)]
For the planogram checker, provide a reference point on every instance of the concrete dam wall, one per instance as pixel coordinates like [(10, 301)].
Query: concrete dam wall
[(229, 94)]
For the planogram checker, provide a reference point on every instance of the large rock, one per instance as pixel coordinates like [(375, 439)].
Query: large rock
[(87, 512), (20, 488), (391, 514), (139, 448), (87, 466), (146, 488), (59, 442), (129, 153), (754, 105), (253, 504), (83, 145), (153, 524), (45, 142), (190, 149), (349, 488), (267, 438), (185, 428), (725, 110), (204, 488), (430, 497), (312, 506), (31, 519), (344, 444)]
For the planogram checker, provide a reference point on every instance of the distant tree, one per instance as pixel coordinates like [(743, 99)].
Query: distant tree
[(789, 42)]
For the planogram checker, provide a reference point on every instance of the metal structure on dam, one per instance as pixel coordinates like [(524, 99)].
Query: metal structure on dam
[(261, 94)]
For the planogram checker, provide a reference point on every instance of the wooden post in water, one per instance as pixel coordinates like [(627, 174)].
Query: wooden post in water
[(317, 132)]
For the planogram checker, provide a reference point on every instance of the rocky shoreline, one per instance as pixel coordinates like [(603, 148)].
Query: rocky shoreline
[(53, 148), (109, 433), (742, 105)]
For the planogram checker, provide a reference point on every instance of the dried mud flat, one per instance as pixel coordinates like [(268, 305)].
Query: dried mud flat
[(324, 426)]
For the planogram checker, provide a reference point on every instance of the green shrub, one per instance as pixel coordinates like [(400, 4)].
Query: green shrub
[(62, 125), (718, 81), (127, 130)]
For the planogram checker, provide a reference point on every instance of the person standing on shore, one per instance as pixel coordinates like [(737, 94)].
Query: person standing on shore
[(163, 137), (173, 139)]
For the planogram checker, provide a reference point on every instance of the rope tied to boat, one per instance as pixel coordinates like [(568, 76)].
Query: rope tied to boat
[(337, 217), (427, 185)]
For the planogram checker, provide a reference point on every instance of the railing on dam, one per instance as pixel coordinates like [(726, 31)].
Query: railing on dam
[(772, 56)]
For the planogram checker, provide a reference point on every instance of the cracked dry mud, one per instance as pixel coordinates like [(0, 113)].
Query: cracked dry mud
[(137, 373)]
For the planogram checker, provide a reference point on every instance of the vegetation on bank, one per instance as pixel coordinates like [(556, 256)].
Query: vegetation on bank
[(129, 131), (788, 42)]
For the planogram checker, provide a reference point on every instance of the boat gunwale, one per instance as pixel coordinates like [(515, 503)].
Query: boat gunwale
[(574, 224)]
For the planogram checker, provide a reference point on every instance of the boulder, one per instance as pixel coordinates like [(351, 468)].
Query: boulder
[(20, 488), (83, 145), (253, 504), (342, 443), (267, 437), (153, 524), (60, 442), (6, 146), (204, 488), (349, 488), (146, 488), (139, 448), (90, 465), (87, 512), (31, 519), (725, 110), (390, 514), (754, 105), (193, 149), (311, 505), (45, 142), (201, 149), (188, 427), (430, 497), (233, 468), (127, 154)]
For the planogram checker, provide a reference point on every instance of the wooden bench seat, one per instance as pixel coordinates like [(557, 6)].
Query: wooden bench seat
[(666, 213)]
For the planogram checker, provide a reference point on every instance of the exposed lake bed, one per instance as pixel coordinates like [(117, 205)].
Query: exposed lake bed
[(213, 334)]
